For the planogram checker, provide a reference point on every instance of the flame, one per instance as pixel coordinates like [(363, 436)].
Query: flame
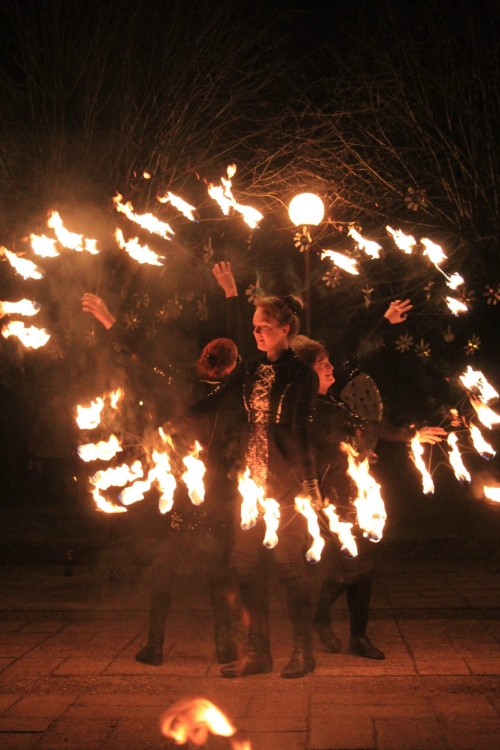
[(135, 492), (70, 240), (146, 221), (343, 531), (103, 450), (251, 495), (117, 476), (193, 477), (417, 453), (23, 307), (475, 381), (483, 448), (44, 246), (226, 200), (434, 252), (23, 267), (371, 248), (91, 246), (303, 505), (492, 493), (455, 280), (179, 204), (272, 521), (485, 415), (105, 505), (456, 306), (403, 241), (89, 417), (461, 472), (115, 396), (32, 338), (140, 253), (165, 480), (192, 720), (342, 261), (369, 504)]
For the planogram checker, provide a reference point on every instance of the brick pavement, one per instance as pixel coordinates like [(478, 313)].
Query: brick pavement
[(68, 678)]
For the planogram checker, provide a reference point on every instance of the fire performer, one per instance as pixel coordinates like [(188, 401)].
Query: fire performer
[(333, 424)]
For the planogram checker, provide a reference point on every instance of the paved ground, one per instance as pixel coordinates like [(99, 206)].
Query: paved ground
[(68, 678)]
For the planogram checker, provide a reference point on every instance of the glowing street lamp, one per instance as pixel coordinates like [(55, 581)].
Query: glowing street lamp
[(306, 210)]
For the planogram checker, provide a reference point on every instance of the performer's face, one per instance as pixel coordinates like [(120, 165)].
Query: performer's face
[(269, 335), (324, 370)]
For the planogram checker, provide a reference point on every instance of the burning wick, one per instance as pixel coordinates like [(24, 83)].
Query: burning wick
[(303, 505), (403, 241), (224, 197), (417, 453), (342, 530), (252, 502), (90, 417), (434, 252), (70, 240), (44, 246), (146, 221), (492, 493), (485, 415), (23, 307), (369, 504), (179, 204), (371, 248), (475, 381), (342, 261), (461, 472), (103, 450), (483, 448), (193, 721), (140, 253), (23, 267), (456, 306), (32, 338), (193, 477)]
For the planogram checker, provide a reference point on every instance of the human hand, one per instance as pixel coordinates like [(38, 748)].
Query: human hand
[(398, 310), (97, 307), (431, 435), (225, 279)]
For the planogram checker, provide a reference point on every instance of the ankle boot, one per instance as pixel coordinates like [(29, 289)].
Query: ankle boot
[(362, 646), (225, 647), (301, 662), (152, 652), (327, 637), (258, 660)]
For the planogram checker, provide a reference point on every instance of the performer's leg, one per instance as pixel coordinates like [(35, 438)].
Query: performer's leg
[(248, 560), (217, 544), (162, 576), (330, 590), (290, 563), (358, 600)]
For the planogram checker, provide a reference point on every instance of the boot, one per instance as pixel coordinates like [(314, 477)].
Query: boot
[(327, 637), (225, 647), (362, 646), (258, 660), (152, 652), (301, 662)]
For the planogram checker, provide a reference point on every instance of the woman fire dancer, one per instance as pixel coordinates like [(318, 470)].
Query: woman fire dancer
[(333, 424)]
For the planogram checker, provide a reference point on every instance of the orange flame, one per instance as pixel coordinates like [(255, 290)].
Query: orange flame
[(454, 281), (146, 221), (434, 252), (342, 261), (23, 307), (369, 504), (192, 720), (114, 397), (461, 472), (403, 241), (475, 381), (272, 521), (140, 253), (117, 476), (251, 495), (492, 493), (103, 450), (343, 530), (23, 267), (136, 491), (44, 246), (483, 448), (32, 338), (226, 200), (417, 453), (179, 204), (89, 417), (104, 505), (193, 477), (70, 240), (303, 505), (485, 415), (371, 248), (165, 480), (456, 306)]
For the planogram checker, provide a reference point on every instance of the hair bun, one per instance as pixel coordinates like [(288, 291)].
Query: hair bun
[(294, 303)]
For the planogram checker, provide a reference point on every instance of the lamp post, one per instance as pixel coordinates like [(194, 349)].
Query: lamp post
[(306, 210)]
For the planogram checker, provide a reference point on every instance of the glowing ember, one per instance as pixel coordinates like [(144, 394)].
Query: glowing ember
[(165, 480), (104, 450), (434, 252), (192, 720), (371, 248), (475, 381), (417, 453), (369, 504), (193, 477), (455, 280), (303, 505), (252, 495), (456, 306), (226, 200), (461, 472), (32, 338), (485, 415), (342, 530), (492, 493), (179, 204), (140, 253), (342, 261), (89, 417), (23, 307), (403, 241), (23, 267), (272, 521), (44, 246), (104, 505), (117, 476), (483, 448), (146, 221)]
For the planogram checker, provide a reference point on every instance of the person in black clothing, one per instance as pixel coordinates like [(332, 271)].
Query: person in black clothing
[(333, 424), (278, 393)]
